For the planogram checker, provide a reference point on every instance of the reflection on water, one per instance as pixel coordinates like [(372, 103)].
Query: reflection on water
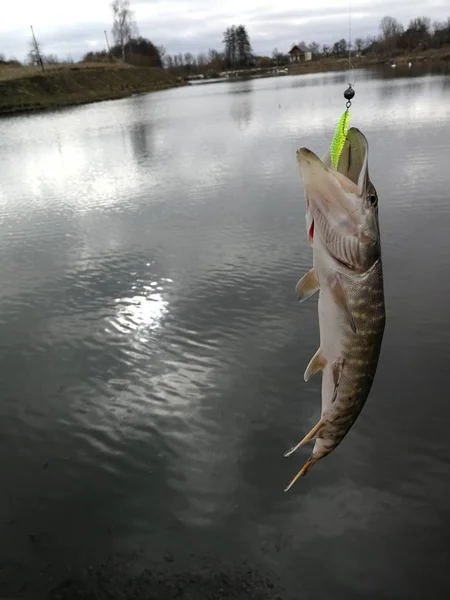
[(141, 312), (140, 127), (141, 135), (153, 347), (241, 107)]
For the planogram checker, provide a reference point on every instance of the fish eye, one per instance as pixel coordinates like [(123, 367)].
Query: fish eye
[(373, 199)]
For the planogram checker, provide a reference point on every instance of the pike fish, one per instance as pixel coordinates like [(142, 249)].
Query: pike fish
[(343, 230)]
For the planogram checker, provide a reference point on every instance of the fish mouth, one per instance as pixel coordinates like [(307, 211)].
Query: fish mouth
[(320, 179), (354, 160), (352, 164)]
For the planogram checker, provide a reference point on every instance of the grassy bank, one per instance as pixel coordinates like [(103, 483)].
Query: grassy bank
[(27, 88)]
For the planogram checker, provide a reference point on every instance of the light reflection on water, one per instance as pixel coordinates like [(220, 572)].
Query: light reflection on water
[(141, 312), (153, 348)]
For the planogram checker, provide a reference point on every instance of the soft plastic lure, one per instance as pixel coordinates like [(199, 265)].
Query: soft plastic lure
[(340, 135)]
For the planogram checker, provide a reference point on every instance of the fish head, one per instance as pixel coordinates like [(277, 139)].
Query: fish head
[(342, 203)]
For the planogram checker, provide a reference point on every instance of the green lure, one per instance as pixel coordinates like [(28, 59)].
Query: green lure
[(340, 135)]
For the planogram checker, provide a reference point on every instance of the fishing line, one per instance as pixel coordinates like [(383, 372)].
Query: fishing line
[(350, 40), (340, 134)]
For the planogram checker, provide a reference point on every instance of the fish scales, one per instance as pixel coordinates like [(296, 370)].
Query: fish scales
[(359, 354)]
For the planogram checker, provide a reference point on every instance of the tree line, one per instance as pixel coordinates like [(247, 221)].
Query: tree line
[(127, 45), (419, 34), (237, 53)]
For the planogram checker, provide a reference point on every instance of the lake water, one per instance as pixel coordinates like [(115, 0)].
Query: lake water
[(152, 348)]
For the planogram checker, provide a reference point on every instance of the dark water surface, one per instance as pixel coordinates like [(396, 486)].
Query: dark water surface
[(152, 348)]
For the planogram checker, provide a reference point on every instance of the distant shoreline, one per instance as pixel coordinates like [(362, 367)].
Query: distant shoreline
[(327, 65), (441, 56), (27, 89)]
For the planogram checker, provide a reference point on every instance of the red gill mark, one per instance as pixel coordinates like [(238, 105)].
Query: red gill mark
[(311, 233)]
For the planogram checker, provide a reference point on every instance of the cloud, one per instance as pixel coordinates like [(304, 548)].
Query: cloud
[(197, 25)]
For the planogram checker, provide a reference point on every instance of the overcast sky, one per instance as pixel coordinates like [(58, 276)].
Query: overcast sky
[(73, 28)]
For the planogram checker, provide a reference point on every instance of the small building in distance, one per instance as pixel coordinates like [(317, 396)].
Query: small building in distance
[(299, 53)]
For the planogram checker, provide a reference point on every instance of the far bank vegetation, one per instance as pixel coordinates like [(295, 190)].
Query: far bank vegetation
[(128, 49), (419, 38), (394, 40)]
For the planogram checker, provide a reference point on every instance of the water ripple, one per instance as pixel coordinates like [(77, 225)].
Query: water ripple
[(153, 348)]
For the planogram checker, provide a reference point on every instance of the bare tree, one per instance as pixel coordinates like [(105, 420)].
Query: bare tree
[(168, 61), (51, 59), (124, 25), (420, 24), (390, 27), (418, 33), (340, 48), (441, 33), (161, 51), (314, 48), (202, 59), (391, 32), (359, 44)]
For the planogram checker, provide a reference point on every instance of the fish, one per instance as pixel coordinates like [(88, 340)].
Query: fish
[(343, 230)]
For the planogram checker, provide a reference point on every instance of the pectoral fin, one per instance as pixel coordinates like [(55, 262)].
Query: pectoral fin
[(337, 372), (307, 286), (317, 363), (341, 299), (314, 431)]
